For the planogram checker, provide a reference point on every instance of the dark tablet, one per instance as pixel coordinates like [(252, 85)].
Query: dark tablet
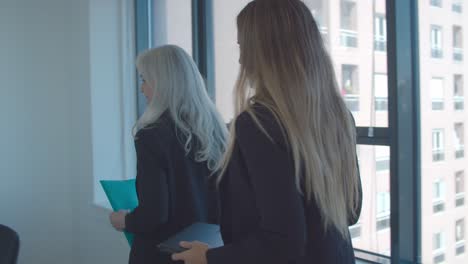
[(205, 233)]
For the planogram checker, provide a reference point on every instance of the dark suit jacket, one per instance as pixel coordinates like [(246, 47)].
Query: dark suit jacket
[(173, 190), (264, 219)]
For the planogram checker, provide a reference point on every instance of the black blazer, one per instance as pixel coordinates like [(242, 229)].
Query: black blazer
[(173, 190), (264, 219)]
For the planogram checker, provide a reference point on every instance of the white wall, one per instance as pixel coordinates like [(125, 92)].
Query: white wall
[(46, 147), (35, 186)]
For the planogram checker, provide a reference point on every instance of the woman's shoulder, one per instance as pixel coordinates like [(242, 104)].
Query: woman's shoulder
[(159, 131), (259, 120)]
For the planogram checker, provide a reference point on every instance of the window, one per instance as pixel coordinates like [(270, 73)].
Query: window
[(436, 42), (381, 92), (348, 32), (319, 10), (457, 43), (438, 242), (458, 97), (459, 140), (383, 210), (437, 93), (459, 188), (457, 6), (382, 158), (438, 153), (168, 22), (439, 196), (460, 230), (436, 3), (460, 237), (459, 182), (113, 93), (350, 86), (380, 42), (226, 53)]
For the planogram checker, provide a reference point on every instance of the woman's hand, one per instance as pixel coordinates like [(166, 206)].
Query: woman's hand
[(117, 219), (195, 253)]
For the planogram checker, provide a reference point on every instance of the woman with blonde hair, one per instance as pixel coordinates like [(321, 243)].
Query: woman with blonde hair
[(290, 184), (179, 139)]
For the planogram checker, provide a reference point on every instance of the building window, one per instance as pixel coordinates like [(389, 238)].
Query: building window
[(350, 86), (460, 237), (381, 92), (457, 6), (459, 138), (382, 158), (348, 30), (460, 230), (459, 188), (438, 242), (458, 95), (436, 42), (320, 13), (438, 200), (383, 211), (438, 153), (436, 87), (457, 43), (436, 3), (380, 42)]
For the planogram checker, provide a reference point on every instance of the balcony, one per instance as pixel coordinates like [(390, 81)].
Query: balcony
[(437, 104), (348, 38), (437, 53), (439, 258), (437, 3), (381, 104), (459, 151), (380, 43), (355, 231), (438, 155), (458, 103), (382, 164), (383, 222), (457, 54), (352, 101), (438, 206), (460, 247), (324, 33), (459, 199)]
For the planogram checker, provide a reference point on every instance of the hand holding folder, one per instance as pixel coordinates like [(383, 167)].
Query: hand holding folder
[(122, 196)]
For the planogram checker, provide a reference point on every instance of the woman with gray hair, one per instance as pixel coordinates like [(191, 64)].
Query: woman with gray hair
[(179, 139)]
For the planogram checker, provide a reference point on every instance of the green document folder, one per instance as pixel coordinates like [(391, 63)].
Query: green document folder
[(122, 196)]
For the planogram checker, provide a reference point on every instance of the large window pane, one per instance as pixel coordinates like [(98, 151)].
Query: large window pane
[(372, 232), (226, 53), (443, 118), (172, 23)]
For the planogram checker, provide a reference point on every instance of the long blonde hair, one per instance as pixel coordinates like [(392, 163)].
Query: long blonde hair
[(179, 89), (286, 68)]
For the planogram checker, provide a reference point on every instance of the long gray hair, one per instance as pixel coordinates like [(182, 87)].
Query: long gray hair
[(179, 89)]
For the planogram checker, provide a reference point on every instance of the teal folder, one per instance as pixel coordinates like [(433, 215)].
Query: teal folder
[(122, 196)]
